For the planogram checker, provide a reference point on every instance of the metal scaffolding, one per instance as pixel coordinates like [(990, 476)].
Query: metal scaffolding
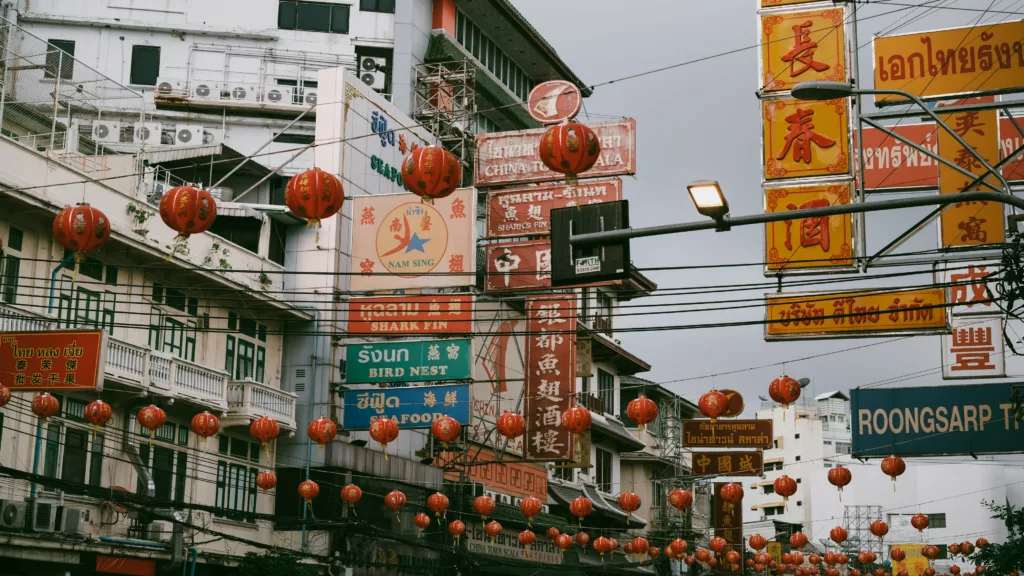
[(445, 104), (857, 520)]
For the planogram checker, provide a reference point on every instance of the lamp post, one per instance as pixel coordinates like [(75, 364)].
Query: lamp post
[(710, 201)]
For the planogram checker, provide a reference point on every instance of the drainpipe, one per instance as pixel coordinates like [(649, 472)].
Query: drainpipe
[(312, 368), (192, 564)]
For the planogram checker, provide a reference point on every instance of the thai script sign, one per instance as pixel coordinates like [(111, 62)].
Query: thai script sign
[(820, 242), (974, 348), (504, 158), (702, 433), (728, 519), (515, 478), (806, 138), (550, 376), (400, 242), (410, 361), (415, 407), (801, 46), (498, 372), (935, 421), (890, 163), (734, 463), (949, 62), (404, 315), (506, 545), (839, 315), (527, 211), (52, 360)]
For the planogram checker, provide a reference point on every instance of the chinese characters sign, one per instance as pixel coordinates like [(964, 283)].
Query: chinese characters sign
[(806, 138), (411, 407), (518, 266), (969, 223), (746, 463), (974, 348), (517, 479), (727, 434), (728, 519), (973, 288), (52, 360), (527, 211), (404, 315), (410, 361), (550, 376), (504, 158), (820, 242), (890, 163), (400, 242), (801, 46), (948, 62), (825, 315)]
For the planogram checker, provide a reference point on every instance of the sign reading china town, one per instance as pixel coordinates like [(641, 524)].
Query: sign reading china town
[(504, 158), (410, 315), (506, 545), (550, 376), (527, 211), (553, 101), (399, 242), (854, 314)]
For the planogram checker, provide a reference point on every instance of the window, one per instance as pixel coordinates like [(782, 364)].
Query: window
[(60, 59), (87, 308), (491, 56), (236, 482), (145, 65), (799, 502), (604, 471), (12, 270), (562, 473), (585, 304), (585, 385), (796, 436), (797, 458), (244, 358), (773, 510), (313, 17), (828, 442), (15, 238), (72, 452), (166, 461), (166, 332), (828, 465), (768, 488), (606, 390), (937, 520), (386, 6), (842, 447)]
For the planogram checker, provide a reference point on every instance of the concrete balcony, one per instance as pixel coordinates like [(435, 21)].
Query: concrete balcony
[(248, 400)]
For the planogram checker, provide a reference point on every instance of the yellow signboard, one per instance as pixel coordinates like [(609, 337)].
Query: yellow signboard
[(822, 242), (915, 564), (854, 314), (800, 46), (948, 62), (806, 138), (775, 551), (779, 3), (969, 223)]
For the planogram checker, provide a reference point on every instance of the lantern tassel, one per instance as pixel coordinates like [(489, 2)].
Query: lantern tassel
[(398, 518), (572, 180), (352, 507), (79, 256), (266, 445)]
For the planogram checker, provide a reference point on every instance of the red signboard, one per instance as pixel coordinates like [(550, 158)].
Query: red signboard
[(554, 101), (1010, 139), (550, 376), (405, 315), (516, 479), (527, 211), (504, 158), (513, 266), (728, 519), (53, 360)]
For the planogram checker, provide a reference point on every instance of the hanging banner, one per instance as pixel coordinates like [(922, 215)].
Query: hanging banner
[(498, 368), (824, 242), (505, 158), (416, 407), (891, 164), (53, 360), (398, 241), (550, 376), (409, 315), (409, 361), (804, 139), (527, 211), (855, 314), (974, 348), (728, 519), (508, 477), (801, 46), (950, 62)]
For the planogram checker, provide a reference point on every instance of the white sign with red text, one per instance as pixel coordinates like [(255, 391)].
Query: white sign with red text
[(974, 348), (972, 287)]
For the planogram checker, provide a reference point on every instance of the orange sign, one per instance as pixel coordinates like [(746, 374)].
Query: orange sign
[(54, 360), (806, 138), (969, 223), (822, 242), (801, 46), (949, 62), (404, 315), (841, 315), (508, 477), (915, 563), (777, 3)]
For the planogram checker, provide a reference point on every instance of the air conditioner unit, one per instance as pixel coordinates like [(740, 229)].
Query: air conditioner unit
[(188, 135), (373, 71), (159, 188), (213, 136), (309, 96), (44, 515), (170, 87), (206, 91), (73, 521), (147, 133), (494, 495), (278, 95), (545, 509), (12, 515), (160, 531), (243, 93), (106, 131)]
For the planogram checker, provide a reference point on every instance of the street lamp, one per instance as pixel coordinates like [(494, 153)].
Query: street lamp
[(707, 196)]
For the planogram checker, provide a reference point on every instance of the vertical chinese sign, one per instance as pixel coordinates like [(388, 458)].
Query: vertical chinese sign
[(803, 139), (728, 519), (975, 347), (821, 242), (801, 46), (550, 376)]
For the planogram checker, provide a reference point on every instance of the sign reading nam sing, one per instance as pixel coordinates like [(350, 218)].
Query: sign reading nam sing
[(411, 407), (527, 211), (52, 360), (403, 315), (935, 420), (410, 361)]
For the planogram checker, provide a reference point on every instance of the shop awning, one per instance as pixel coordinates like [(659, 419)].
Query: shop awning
[(564, 494), (613, 430), (607, 350)]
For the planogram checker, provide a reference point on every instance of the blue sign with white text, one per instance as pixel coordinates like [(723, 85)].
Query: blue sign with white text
[(413, 407)]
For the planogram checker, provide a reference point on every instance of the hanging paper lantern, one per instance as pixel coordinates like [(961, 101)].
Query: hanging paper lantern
[(422, 521), (640, 546), (446, 429), (838, 535), (151, 418), (831, 558), (484, 506), (431, 172), (314, 195), (642, 410), (527, 537), (205, 425), (732, 557), (321, 431), (456, 528), (564, 542), (266, 480), (832, 572), (712, 404), (757, 542), (798, 558), (954, 570), (966, 548), (762, 558), (785, 487), (553, 534), (679, 546), (897, 554), (893, 466), (732, 494), (187, 210), (97, 413), (853, 572), (81, 229), (493, 528), (814, 559), (905, 573), (582, 538), (929, 571), (718, 544), (511, 424), (580, 507), (981, 543), (798, 540), (760, 567), (703, 556), (395, 501), (628, 548), (629, 502), (680, 500), (384, 430), (839, 477), (784, 390), (437, 503), (309, 490), (614, 543), (919, 521), (571, 149), (930, 552), (653, 552), (953, 549), (879, 571), (264, 429), (979, 570), (530, 507), (5, 395), (749, 563), (602, 545), (351, 494), (879, 529), (577, 419), (689, 560), (787, 558), (843, 558), (864, 558)]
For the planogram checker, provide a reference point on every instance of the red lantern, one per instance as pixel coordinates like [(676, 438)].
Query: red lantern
[(785, 487), (309, 490), (718, 544), (757, 542), (321, 431), (879, 529), (445, 429), (5, 395), (456, 528), (81, 229), (629, 502), (431, 172), (582, 538), (314, 195), (602, 545), (653, 552), (762, 558), (832, 572), (838, 535), (879, 571), (679, 546), (511, 424), (615, 544), (266, 480), (784, 390), (553, 534), (680, 499), (853, 572), (422, 521), (188, 210), (893, 466), (732, 557), (571, 149), (493, 528), (979, 570), (905, 573), (929, 571), (703, 556), (953, 549), (577, 419), (843, 558), (749, 563), (530, 507), (732, 494), (864, 558), (797, 557), (205, 425), (97, 413), (981, 543), (930, 552), (640, 546), (351, 494), (759, 567), (484, 506), (966, 548), (563, 541), (787, 558), (689, 560), (712, 404), (384, 430), (437, 503), (814, 559), (954, 570), (831, 558), (798, 540), (642, 410), (839, 477), (897, 555), (580, 507), (527, 537), (152, 417), (395, 501), (919, 521), (264, 429)]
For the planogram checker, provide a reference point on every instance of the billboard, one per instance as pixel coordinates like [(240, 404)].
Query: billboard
[(410, 315), (803, 139), (701, 433), (728, 519), (399, 242), (854, 314), (508, 477), (504, 158), (516, 266), (890, 164), (802, 46), (974, 348), (809, 243), (935, 420), (527, 211), (950, 62), (498, 368), (550, 376), (409, 361), (732, 463), (53, 360), (411, 407), (914, 563)]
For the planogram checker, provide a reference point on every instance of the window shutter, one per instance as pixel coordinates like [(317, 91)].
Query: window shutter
[(229, 356), (261, 360), (222, 473)]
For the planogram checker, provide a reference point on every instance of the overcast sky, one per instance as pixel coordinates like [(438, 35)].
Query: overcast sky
[(702, 121)]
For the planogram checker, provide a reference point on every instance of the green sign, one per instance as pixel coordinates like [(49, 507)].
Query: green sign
[(410, 361), (935, 420)]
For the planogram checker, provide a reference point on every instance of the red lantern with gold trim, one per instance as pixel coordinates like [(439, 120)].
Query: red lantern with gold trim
[(564, 542), (843, 558), (395, 501), (893, 466), (703, 556), (897, 555), (484, 506), (814, 559), (431, 172), (798, 557), (456, 528), (954, 570), (350, 495), (571, 149), (798, 540), (152, 418), (839, 477), (266, 480), (732, 495), (838, 535), (580, 507), (679, 546), (530, 507), (653, 552), (437, 503), (732, 557), (5, 395), (445, 429), (642, 410), (81, 229), (314, 195), (879, 528), (582, 538), (757, 542), (265, 429), (785, 487), (640, 546), (629, 502), (511, 424), (187, 210), (930, 552), (321, 431), (527, 538), (577, 419), (981, 543), (680, 500), (553, 534), (919, 521), (712, 404), (602, 545), (309, 490), (204, 425), (966, 548), (97, 413), (493, 528), (384, 430), (422, 521), (784, 390)]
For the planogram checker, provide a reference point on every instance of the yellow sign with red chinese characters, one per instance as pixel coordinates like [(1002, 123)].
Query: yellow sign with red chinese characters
[(915, 563), (801, 46), (969, 223), (821, 242), (853, 314), (806, 138)]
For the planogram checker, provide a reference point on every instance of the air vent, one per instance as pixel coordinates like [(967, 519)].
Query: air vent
[(300, 386), (300, 372), (299, 383)]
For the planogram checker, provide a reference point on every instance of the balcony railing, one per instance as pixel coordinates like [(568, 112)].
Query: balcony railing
[(248, 399), (603, 325), (590, 402), (187, 379)]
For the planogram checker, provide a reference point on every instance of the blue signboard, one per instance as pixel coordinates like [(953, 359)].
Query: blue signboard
[(935, 420), (414, 407)]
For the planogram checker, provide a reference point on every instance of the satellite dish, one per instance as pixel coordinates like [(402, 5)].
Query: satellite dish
[(762, 398), (804, 382)]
